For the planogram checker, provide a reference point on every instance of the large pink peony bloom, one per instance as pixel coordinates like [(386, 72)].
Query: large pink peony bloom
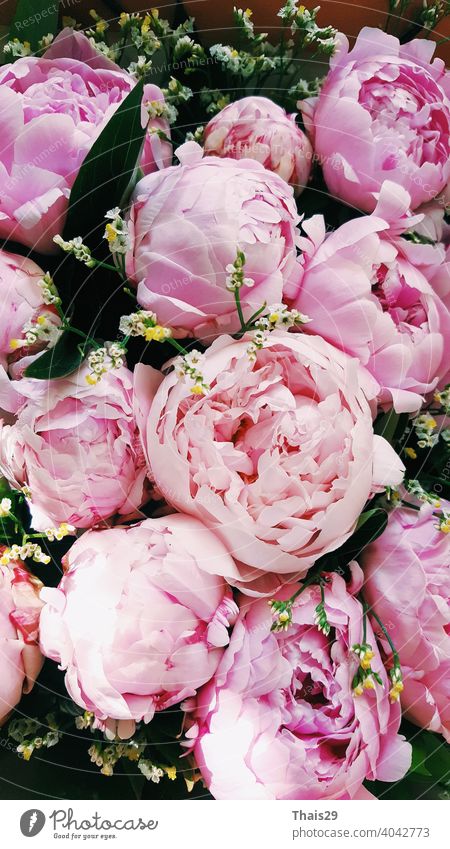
[(51, 111), (279, 457), (280, 720), (383, 113), (257, 128), (21, 304), (366, 290), (76, 447), (187, 223), (20, 657), (407, 582), (140, 618)]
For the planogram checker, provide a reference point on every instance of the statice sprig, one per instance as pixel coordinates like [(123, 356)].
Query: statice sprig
[(414, 487)]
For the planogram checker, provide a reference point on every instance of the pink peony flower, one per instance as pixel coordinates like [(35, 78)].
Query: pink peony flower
[(256, 128), (383, 113), (140, 618), (187, 223), (407, 582), (76, 447), (279, 720), (21, 304), (52, 109), (278, 457), (366, 291), (21, 660)]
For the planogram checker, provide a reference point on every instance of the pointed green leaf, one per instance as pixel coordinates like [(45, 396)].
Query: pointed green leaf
[(108, 169), (59, 361), (33, 20)]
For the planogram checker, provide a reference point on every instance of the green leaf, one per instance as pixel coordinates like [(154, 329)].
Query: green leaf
[(33, 20), (59, 361), (391, 425), (371, 525), (107, 171), (103, 182)]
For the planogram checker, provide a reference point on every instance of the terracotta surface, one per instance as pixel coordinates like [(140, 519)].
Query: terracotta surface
[(213, 18), (80, 9)]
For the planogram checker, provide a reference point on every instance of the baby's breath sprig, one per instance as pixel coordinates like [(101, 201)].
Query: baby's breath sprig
[(27, 551), (245, 27), (118, 238), (278, 317), (106, 358), (176, 93), (304, 25), (144, 323), (365, 677), (5, 508), (236, 280), (17, 49), (45, 41), (82, 253), (282, 614), (63, 530), (425, 426), (32, 734), (282, 610), (45, 328), (49, 291), (442, 398), (213, 100), (443, 522), (395, 672), (188, 368), (414, 487), (150, 771), (77, 248), (320, 616)]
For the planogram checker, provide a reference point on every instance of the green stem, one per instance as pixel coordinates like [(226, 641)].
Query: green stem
[(177, 345), (365, 609), (99, 264), (307, 583), (383, 629), (237, 298), (87, 339)]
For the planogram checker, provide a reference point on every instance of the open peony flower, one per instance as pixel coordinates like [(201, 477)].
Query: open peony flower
[(24, 310), (257, 128), (280, 719), (140, 618), (187, 223), (407, 583), (76, 448), (383, 113), (278, 457), (366, 291), (20, 658), (52, 108)]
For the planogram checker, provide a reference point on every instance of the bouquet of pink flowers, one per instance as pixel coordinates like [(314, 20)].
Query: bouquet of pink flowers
[(225, 402)]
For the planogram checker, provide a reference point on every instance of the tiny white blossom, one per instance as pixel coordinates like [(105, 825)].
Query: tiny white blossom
[(5, 507)]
